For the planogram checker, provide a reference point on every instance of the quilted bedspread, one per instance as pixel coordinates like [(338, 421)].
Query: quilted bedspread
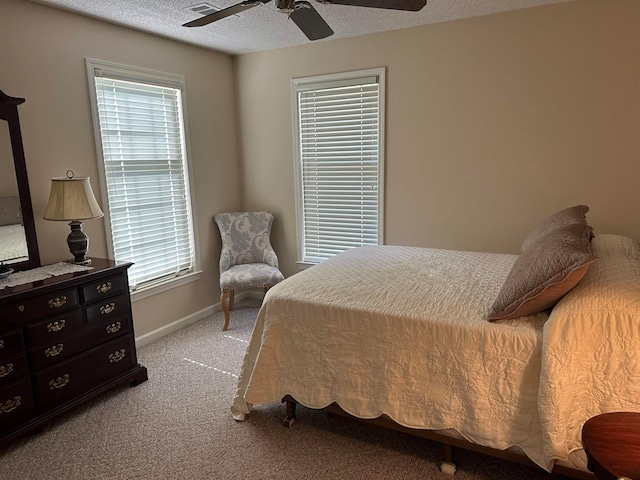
[(591, 344), (401, 331)]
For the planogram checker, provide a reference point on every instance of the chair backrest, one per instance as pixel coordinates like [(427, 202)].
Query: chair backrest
[(245, 239)]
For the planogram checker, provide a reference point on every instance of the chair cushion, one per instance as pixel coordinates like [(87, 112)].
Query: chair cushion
[(249, 275)]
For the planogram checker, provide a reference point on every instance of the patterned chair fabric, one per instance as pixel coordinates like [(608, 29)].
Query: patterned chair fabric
[(247, 259)]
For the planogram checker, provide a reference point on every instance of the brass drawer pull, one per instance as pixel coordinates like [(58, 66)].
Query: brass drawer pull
[(114, 327), (59, 382), (117, 356), (103, 287), (6, 370), (21, 308), (54, 350), (107, 308), (10, 405), (1, 344), (57, 302), (56, 326)]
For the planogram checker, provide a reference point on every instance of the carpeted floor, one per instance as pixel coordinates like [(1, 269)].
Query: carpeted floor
[(177, 425)]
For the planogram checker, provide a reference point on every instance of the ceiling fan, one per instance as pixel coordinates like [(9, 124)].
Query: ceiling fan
[(304, 15)]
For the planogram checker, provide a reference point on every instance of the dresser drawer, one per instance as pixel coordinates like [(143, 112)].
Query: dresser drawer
[(16, 404), (10, 344), (71, 378), (108, 310), (107, 287), (96, 333), (13, 368), (54, 329), (42, 306), (88, 337)]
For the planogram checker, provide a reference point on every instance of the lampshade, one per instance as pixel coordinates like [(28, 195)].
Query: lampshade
[(72, 198)]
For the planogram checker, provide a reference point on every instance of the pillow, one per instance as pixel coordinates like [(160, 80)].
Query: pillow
[(612, 287), (10, 211), (549, 267), (567, 216)]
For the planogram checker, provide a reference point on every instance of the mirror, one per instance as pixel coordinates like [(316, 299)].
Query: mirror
[(18, 243)]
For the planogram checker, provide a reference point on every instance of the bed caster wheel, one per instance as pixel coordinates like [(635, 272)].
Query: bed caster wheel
[(288, 422), (448, 468)]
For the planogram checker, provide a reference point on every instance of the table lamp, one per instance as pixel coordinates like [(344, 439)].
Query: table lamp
[(71, 198)]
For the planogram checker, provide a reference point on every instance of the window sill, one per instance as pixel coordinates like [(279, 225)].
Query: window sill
[(304, 265), (166, 285)]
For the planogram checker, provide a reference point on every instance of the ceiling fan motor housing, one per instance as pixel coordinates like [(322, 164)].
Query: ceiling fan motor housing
[(286, 6)]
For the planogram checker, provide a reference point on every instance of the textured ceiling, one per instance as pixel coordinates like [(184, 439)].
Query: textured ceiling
[(264, 28)]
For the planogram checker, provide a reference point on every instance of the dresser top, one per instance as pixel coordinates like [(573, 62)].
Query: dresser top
[(100, 267)]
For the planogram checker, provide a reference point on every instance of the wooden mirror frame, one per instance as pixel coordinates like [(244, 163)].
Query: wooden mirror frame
[(9, 112)]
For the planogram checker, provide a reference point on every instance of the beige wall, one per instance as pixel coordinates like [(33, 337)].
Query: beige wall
[(42, 58), (492, 124)]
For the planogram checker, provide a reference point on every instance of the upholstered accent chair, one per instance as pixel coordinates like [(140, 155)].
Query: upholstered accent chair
[(247, 259)]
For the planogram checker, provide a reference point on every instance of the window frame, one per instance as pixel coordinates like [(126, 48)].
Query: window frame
[(322, 82), (161, 79)]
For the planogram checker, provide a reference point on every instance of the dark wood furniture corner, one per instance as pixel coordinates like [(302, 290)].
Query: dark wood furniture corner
[(63, 341), (612, 444), (9, 113)]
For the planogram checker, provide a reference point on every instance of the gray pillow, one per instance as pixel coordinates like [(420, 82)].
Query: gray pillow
[(10, 211), (567, 216), (549, 267)]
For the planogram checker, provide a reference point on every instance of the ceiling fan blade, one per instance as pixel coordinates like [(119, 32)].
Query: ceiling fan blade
[(410, 5), (225, 12), (310, 22)]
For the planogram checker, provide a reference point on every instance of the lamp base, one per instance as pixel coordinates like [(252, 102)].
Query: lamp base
[(72, 261), (78, 243)]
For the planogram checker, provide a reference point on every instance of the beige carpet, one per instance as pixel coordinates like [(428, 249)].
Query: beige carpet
[(178, 426)]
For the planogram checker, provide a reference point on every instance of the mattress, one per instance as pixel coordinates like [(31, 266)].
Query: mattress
[(402, 332)]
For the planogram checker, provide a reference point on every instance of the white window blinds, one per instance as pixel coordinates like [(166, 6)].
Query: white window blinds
[(145, 170), (339, 124)]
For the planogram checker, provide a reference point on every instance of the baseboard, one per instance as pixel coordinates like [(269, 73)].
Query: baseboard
[(177, 325), (257, 294), (189, 319)]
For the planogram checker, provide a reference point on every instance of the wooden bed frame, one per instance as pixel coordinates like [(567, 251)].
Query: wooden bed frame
[(449, 444)]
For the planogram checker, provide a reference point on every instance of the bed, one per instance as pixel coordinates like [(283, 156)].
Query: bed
[(13, 241), (404, 334)]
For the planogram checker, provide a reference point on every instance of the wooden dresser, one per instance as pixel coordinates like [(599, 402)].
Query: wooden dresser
[(63, 341)]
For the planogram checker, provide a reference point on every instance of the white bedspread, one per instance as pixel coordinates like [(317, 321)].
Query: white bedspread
[(13, 242), (592, 347), (401, 331)]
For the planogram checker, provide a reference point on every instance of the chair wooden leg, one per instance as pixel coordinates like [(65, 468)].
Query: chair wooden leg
[(225, 307), (232, 298)]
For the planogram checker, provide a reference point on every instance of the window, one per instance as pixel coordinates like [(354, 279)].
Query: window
[(140, 134), (339, 125)]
